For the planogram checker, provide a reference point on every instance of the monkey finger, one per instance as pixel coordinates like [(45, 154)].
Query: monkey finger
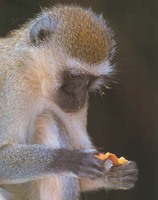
[(122, 182), (92, 151), (121, 172), (96, 164)]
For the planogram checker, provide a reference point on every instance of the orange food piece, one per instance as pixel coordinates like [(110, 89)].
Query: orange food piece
[(122, 161), (115, 160)]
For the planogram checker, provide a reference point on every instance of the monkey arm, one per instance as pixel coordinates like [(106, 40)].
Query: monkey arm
[(22, 163)]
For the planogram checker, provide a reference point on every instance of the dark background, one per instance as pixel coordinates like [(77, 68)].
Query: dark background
[(125, 120)]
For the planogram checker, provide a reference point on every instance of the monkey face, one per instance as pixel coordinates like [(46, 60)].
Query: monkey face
[(73, 93)]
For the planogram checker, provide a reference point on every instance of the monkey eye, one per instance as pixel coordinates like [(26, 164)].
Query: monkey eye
[(74, 76)]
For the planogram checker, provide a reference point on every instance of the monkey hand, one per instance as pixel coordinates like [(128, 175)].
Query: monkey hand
[(83, 163), (121, 176)]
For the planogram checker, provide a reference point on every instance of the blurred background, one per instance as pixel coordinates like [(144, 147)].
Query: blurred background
[(125, 120)]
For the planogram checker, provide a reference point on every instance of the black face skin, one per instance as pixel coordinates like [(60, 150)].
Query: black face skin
[(72, 95)]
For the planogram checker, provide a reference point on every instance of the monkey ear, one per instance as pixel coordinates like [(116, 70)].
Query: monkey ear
[(42, 30)]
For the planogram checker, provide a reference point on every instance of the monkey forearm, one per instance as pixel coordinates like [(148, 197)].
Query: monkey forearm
[(23, 163)]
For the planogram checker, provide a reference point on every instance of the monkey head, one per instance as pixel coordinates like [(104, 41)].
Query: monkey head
[(76, 45)]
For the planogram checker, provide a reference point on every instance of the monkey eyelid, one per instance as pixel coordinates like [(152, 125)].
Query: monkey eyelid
[(73, 76)]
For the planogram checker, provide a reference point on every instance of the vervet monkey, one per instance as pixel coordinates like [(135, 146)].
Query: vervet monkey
[(47, 69)]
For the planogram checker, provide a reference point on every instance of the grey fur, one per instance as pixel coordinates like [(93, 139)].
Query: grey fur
[(24, 163), (42, 29)]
